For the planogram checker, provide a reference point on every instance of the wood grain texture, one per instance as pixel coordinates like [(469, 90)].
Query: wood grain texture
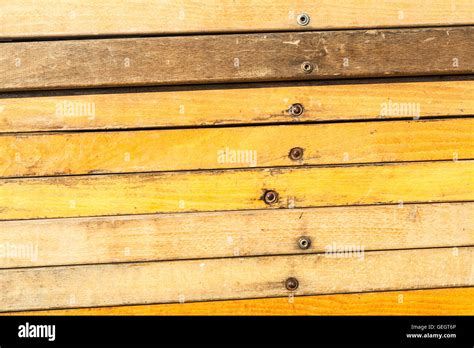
[(265, 104), (232, 278), (29, 18), (224, 148), (453, 301), (119, 194), (69, 64), (49, 242)]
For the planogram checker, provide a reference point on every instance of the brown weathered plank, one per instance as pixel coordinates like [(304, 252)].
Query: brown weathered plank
[(215, 105), (235, 58), (233, 278), (224, 148), (30, 18), (118, 194), (33, 243)]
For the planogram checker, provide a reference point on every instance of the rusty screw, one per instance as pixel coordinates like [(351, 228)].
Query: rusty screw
[(270, 197), (296, 154), (296, 110), (304, 242), (303, 19), (291, 284), (307, 67)]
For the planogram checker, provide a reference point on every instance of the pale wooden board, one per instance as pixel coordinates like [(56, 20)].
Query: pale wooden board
[(119, 194), (67, 64), (224, 148), (232, 278), (34, 243), (29, 18), (452, 301), (265, 104)]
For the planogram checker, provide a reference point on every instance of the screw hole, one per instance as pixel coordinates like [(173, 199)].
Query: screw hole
[(304, 243), (270, 197), (307, 67), (296, 154), (291, 284), (303, 19), (296, 109)]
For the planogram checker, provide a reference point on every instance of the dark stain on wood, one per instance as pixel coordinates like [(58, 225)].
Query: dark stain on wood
[(235, 58)]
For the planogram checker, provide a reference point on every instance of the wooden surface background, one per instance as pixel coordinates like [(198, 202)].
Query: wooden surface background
[(135, 160)]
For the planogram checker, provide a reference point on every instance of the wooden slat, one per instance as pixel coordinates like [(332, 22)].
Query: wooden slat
[(32, 243), (266, 104), (237, 189), (223, 148), (232, 278), (453, 301), (233, 58), (29, 18)]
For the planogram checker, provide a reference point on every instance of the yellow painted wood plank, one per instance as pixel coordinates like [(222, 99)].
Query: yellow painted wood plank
[(33, 243), (232, 278), (235, 189), (453, 301), (216, 148), (165, 108), (29, 18)]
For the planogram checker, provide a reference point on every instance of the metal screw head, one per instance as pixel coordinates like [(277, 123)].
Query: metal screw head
[(291, 284), (270, 197), (296, 109), (303, 19), (296, 154), (307, 67), (304, 243)]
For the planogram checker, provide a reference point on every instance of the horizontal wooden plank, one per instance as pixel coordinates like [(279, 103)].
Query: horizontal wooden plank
[(453, 301), (223, 148), (29, 18), (32, 243), (265, 104), (232, 278), (69, 64), (119, 194)]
